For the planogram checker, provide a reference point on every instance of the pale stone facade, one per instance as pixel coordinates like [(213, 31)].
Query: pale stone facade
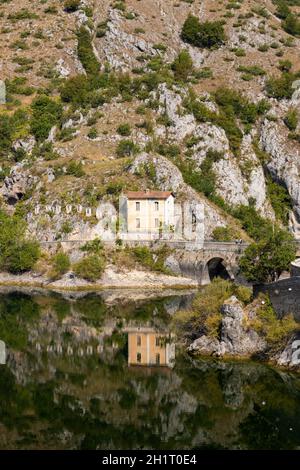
[(148, 215), (155, 215)]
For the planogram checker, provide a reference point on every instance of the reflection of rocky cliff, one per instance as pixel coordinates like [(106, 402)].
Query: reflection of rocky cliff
[(53, 399)]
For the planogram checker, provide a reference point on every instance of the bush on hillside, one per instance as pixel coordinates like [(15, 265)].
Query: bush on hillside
[(280, 88), (71, 5), (208, 34), (90, 267), (182, 65), (46, 113), (126, 148), (86, 53), (61, 264)]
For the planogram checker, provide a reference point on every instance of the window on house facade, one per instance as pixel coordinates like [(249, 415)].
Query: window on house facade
[(137, 206), (138, 340), (157, 341), (156, 223), (139, 357), (138, 223), (156, 205), (157, 358)]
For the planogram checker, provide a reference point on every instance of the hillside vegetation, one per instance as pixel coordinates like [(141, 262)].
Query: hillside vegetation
[(209, 88)]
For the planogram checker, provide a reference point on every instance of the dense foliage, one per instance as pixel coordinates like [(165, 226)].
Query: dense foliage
[(204, 316), (265, 260), (208, 34), (46, 113), (17, 253)]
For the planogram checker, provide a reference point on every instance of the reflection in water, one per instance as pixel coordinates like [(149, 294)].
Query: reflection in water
[(2, 353), (67, 383), (147, 347)]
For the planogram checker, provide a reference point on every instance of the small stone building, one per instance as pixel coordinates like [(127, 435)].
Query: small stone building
[(148, 215)]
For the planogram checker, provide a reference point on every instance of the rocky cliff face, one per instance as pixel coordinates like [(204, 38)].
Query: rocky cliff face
[(135, 41)]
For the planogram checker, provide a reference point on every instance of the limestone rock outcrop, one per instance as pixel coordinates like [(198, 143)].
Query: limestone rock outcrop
[(17, 184), (235, 339)]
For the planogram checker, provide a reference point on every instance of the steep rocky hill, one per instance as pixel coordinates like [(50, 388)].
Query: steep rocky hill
[(108, 95)]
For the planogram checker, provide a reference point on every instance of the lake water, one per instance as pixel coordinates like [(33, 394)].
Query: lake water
[(104, 372)]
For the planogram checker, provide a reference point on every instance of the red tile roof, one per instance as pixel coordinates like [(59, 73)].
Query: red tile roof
[(148, 194)]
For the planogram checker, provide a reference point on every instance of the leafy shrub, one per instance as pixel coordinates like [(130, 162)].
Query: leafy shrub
[(46, 113), (204, 179), (285, 65), (126, 148), (61, 264), (93, 133), (75, 169), (6, 133), (17, 253), (75, 90), (204, 316), (94, 246), (182, 65), (86, 53), (276, 331), (71, 5), (254, 224), (280, 200), (154, 261), (208, 34), (282, 10), (225, 234), (281, 87), (124, 129), (90, 268), (291, 119), (291, 25)]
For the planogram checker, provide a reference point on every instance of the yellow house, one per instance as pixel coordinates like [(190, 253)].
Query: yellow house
[(147, 347), (149, 213)]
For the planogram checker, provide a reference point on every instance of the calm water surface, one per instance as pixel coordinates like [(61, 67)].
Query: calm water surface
[(103, 372)]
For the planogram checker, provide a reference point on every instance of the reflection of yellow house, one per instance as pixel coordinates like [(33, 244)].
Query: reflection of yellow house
[(147, 347), (149, 212)]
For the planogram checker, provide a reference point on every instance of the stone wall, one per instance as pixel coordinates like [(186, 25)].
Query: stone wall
[(284, 295)]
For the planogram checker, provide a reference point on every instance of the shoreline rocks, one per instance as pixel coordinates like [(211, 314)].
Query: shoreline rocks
[(235, 337), (111, 279)]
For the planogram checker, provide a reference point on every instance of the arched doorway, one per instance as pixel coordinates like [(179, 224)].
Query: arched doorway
[(216, 268)]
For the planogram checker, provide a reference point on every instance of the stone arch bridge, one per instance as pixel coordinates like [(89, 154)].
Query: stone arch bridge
[(215, 259)]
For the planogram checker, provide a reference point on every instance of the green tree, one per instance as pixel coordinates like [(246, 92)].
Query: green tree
[(265, 260), (17, 253), (182, 65), (61, 263), (5, 133), (46, 113)]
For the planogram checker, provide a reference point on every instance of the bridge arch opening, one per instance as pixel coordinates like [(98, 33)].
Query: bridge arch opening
[(216, 268)]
